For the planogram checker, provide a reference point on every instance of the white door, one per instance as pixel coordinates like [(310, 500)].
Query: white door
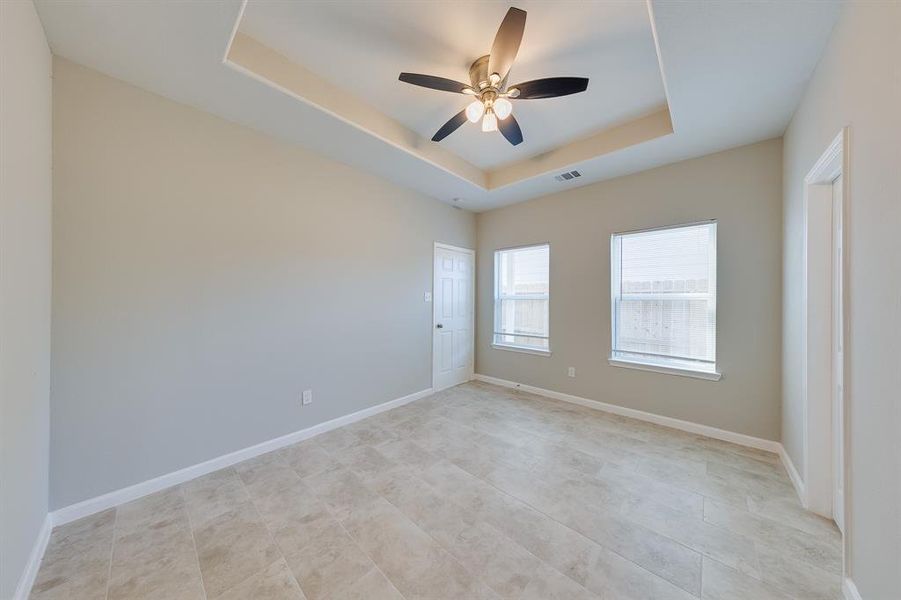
[(452, 340), (838, 372)]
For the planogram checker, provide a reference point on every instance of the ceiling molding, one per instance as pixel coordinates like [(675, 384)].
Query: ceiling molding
[(655, 125), (264, 64)]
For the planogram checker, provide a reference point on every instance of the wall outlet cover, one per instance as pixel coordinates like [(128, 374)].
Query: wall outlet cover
[(307, 396)]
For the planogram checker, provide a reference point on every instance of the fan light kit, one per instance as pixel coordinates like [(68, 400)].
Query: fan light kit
[(488, 84)]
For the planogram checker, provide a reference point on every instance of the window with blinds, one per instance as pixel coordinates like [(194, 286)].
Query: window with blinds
[(522, 298), (664, 297)]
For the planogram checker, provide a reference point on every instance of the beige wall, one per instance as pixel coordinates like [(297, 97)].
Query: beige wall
[(857, 84), (204, 275), (741, 188), (25, 198)]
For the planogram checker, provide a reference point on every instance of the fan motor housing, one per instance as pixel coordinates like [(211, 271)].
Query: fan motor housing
[(478, 73)]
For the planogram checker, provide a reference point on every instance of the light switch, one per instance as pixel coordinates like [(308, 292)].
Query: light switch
[(427, 296)]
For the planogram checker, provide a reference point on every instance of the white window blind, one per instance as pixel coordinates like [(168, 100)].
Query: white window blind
[(522, 297), (664, 297)]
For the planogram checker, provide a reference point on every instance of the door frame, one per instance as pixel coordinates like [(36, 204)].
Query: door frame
[(472, 313), (816, 332)]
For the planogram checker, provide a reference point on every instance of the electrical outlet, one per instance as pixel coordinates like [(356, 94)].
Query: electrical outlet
[(427, 296), (307, 397), (571, 371)]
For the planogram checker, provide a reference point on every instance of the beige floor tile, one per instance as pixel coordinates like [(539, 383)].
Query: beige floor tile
[(167, 577), (365, 460), (273, 583), (76, 561), (215, 494), (149, 511), (547, 584), (232, 547), (267, 474), (789, 511), (341, 490), (416, 565), (723, 545), (308, 458), (658, 553), (372, 586), (330, 565), (813, 549), (158, 560), (635, 485), (408, 453), (294, 516), (724, 583), (797, 578)]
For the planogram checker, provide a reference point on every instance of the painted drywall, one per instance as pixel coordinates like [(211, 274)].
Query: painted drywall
[(25, 205), (205, 275), (857, 84), (742, 189)]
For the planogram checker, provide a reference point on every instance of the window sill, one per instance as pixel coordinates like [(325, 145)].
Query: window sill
[(628, 364), (521, 349)]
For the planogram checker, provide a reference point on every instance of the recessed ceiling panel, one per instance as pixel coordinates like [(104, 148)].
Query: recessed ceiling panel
[(361, 47)]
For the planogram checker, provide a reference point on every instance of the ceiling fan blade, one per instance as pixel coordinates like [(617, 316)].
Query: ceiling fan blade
[(434, 83), (506, 42), (509, 128), (552, 87), (451, 126)]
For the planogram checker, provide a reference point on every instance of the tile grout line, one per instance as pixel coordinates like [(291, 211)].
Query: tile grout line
[(109, 570), (369, 556), (184, 495)]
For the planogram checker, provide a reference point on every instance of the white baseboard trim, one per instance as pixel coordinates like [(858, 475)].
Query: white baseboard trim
[(94, 505), (850, 590), (705, 430), (26, 581), (794, 476)]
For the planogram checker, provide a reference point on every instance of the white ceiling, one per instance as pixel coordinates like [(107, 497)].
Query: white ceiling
[(362, 47), (734, 72)]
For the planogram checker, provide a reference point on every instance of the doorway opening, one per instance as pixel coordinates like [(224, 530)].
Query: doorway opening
[(824, 327)]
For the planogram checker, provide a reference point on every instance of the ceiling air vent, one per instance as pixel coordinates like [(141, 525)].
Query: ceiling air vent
[(567, 176)]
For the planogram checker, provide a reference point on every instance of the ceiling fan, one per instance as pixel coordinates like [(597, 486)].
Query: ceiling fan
[(488, 84)]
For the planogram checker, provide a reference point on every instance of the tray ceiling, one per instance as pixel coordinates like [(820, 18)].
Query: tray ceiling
[(362, 47)]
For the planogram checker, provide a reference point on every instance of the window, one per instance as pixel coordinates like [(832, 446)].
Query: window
[(664, 299), (521, 298)]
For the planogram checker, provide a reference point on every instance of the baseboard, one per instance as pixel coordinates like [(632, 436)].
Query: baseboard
[(26, 581), (688, 426), (850, 590), (138, 490), (794, 476)]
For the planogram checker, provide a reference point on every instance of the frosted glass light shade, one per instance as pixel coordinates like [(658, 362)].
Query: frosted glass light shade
[(502, 108), (474, 111), (489, 122)]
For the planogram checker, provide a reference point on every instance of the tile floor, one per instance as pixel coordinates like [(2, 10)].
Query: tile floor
[(474, 493)]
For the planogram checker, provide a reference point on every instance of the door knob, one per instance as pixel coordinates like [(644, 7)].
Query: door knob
[(439, 326)]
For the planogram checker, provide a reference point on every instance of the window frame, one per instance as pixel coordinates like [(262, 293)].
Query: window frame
[(497, 298), (664, 363)]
